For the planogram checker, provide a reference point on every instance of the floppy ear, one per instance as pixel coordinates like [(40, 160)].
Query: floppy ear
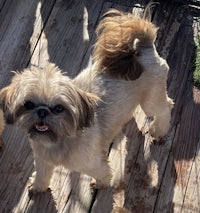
[(6, 95), (87, 104)]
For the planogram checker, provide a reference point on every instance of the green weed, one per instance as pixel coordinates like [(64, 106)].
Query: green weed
[(196, 74)]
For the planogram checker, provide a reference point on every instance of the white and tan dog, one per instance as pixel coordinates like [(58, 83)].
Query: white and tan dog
[(72, 122)]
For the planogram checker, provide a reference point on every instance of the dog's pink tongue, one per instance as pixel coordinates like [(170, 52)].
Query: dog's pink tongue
[(42, 128)]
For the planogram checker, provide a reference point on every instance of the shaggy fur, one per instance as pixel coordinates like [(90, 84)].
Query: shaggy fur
[(117, 47), (72, 122)]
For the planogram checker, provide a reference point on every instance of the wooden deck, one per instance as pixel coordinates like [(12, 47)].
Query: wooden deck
[(150, 177)]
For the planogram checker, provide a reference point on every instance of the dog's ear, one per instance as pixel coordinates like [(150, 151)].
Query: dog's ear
[(87, 104), (6, 95)]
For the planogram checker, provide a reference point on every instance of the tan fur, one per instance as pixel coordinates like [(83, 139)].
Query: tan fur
[(120, 210), (95, 105), (26, 86), (116, 49)]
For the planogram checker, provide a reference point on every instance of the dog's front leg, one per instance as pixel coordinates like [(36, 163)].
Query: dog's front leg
[(162, 118), (40, 180), (162, 115), (101, 175)]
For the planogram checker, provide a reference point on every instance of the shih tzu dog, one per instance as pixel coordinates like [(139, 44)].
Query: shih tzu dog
[(72, 122)]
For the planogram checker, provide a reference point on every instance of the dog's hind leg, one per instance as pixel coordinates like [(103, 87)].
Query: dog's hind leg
[(159, 106)]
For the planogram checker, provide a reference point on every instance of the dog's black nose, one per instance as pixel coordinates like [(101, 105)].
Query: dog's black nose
[(42, 113)]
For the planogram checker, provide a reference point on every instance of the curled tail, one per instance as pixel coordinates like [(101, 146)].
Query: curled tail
[(119, 37)]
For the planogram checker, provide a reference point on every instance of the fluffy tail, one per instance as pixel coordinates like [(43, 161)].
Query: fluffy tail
[(120, 37)]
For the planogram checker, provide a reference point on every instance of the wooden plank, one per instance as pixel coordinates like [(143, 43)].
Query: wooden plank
[(191, 200), (181, 172), (2, 3), (185, 159), (16, 165), (16, 159), (172, 195), (17, 21), (15, 168), (66, 38)]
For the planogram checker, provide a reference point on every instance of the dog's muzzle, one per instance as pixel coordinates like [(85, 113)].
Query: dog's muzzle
[(43, 112), (41, 126)]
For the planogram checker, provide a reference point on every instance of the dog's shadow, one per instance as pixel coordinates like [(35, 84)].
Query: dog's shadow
[(16, 166), (141, 170), (36, 203)]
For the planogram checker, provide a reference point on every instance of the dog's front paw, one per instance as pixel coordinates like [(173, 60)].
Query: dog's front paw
[(156, 132), (97, 184), (35, 187), (153, 133), (120, 210), (34, 190)]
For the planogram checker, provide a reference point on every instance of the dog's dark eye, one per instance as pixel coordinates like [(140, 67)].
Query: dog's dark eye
[(29, 105), (58, 109)]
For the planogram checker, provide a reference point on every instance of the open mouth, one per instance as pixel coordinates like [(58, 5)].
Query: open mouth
[(41, 127)]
